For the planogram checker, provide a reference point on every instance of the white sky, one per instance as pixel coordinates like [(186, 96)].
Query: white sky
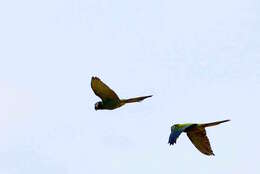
[(200, 59)]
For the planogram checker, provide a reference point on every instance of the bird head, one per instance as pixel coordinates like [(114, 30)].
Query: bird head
[(98, 105), (175, 126), (176, 131)]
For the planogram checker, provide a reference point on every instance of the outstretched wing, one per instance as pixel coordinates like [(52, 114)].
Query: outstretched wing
[(176, 131), (102, 90), (199, 139)]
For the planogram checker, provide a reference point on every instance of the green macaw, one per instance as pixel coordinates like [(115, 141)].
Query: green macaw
[(196, 133), (109, 98)]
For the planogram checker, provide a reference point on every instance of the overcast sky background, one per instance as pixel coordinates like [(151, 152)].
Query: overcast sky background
[(200, 59)]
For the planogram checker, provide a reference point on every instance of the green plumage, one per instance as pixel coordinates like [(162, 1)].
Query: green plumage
[(196, 133)]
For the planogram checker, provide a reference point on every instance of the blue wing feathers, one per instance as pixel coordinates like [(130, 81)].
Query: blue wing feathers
[(173, 136), (176, 132)]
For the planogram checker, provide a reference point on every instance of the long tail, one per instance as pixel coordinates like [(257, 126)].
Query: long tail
[(136, 99), (213, 123)]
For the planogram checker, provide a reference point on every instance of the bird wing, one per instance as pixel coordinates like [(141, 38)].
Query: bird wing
[(199, 139), (102, 90), (176, 132)]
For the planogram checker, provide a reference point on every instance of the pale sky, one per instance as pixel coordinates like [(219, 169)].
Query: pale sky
[(200, 59)]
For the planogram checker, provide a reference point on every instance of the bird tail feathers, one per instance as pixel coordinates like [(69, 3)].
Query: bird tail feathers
[(136, 99), (213, 123)]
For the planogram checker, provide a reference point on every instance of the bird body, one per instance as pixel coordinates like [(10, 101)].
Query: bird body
[(110, 99), (196, 133), (108, 104)]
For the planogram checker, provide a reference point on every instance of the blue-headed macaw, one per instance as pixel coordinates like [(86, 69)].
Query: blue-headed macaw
[(110, 99), (196, 133)]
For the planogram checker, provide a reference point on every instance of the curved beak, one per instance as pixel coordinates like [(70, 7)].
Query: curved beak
[(96, 106)]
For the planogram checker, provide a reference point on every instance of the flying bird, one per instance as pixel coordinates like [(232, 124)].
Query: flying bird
[(196, 133), (110, 99)]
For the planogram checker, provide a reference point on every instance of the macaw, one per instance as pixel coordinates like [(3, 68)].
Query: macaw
[(196, 134), (109, 98)]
